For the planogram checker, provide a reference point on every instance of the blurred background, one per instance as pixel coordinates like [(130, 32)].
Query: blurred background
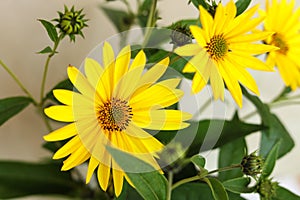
[(21, 36)]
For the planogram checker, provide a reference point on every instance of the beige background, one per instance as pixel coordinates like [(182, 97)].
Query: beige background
[(22, 35)]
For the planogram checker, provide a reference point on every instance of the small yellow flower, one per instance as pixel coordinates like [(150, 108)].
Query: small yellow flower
[(281, 19), (113, 106), (225, 47)]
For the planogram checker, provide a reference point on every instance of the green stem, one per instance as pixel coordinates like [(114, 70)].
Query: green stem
[(46, 68), (150, 23), (17, 81), (170, 182), (201, 176)]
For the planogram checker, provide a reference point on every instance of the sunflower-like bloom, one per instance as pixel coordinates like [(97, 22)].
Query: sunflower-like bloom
[(112, 106), (224, 48), (281, 19)]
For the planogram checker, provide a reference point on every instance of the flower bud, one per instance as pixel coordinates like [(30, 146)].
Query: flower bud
[(267, 189), (71, 22), (252, 164)]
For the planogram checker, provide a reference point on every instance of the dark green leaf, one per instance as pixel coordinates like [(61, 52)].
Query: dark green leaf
[(284, 194), (217, 189), (198, 160), (21, 179), (270, 161), (51, 30), (199, 2), (238, 185), (120, 19), (229, 154), (275, 131), (46, 50), (11, 106), (241, 6), (65, 84), (149, 183), (186, 23)]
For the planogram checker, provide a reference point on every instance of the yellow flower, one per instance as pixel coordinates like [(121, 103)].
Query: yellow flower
[(113, 105), (225, 47), (281, 19)]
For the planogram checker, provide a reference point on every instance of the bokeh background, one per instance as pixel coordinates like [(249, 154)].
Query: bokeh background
[(21, 36)]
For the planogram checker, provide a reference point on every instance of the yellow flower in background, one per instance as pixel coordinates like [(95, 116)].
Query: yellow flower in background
[(113, 105), (281, 19), (224, 49)]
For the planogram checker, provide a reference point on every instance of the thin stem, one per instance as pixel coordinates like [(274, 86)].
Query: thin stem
[(231, 167), (127, 5), (46, 68), (186, 180), (150, 23), (170, 182), (17, 81)]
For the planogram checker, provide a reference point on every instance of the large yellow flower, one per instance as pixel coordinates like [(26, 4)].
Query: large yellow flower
[(113, 105), (225, 47), (281, 19)]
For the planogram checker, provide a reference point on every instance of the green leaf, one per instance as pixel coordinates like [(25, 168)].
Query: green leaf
[(275, 131), (229, 154), (65, 84), (149, 183), (284, 194), (198, 160), (238, 185), (11, 106), (241, 6), (51, 30), (217, 189), (143, 13), (121, 20), (46, 50), (21, 179), (270, 160), (186, 23), (199, 2)]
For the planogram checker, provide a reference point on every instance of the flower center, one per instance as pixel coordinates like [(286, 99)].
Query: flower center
[(217, 47), (114, 115), (279, 42)]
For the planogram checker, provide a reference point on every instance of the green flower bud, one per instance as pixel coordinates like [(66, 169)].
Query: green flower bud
[(71, 22), (252, 164), (180, 35), (267, 189)]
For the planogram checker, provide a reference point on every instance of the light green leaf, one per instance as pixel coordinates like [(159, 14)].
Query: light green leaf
[(46, 50), (149, 183), (217, 189), (22, 179), (11, 106), (198, 160), (270, 160), (238, 185), (229, 154), (275, 131), (241, 6), (284, 194), (51, 30)]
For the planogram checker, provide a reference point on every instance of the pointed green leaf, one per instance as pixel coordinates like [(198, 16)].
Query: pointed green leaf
[(46, 50), (51, 30), (22, 179), (229, 154), (241, 6), (270, 160), (11, 106), (238, 185), (198, 160), (149, 183), (197, 3), (284, 194), (275, 131), (217, 189)]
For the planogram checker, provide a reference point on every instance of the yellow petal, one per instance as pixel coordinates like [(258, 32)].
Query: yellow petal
[(72, 98), (93, 71), (122, 63), (63, 133), (254, 49), (198, 83), (108, 55), (60, 113), (139, 60), (229, 14), (206, 21), (68, 148), (76, 158), (216, 82), (200, 35), (118, 177), (104, 171), (93, 164), (252, 37), (188, 50)]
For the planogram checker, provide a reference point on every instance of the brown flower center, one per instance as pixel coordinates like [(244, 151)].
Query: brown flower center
[(114, 115), (217, 47), (279, 42)]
